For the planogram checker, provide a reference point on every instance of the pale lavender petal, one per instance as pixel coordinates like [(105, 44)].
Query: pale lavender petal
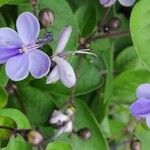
[(63, 39), (104, 2), (68, 127), (66, 72), (53, 76), (28, 28), (148, 121), (6, 53), (143, 91), (17, 68), (140, 108), (127, 3), (107, 3), (39, 63), (9, 38)]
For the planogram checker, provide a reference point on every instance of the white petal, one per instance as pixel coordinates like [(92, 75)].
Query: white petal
[(58, 116), (66, 72), (148, 121), (68, 127), (53, 76), (127, 3), (63, 39), (110, 3)]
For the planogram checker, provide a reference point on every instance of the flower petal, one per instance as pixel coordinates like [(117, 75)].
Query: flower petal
[(6, 53), (17, 68), (28, 27), (9, 38), (63, 39), (39, 63), (68, 127), (148, 121), (127, 3), (140, 108), (53, 76), (143, 91), (107, 3), (66, 72), (58, 116)]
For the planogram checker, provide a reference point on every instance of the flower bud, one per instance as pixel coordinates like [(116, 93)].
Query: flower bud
[(46, 17), (135, 144), (84, 133), (33, 2), (70, 111), (34, 137), (113, 25)]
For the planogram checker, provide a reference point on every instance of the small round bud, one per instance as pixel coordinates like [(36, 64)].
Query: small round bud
[(33, 2), (84, 133), (70, 111), (135, 144), (34, 137), (112, 25), (46, 17)]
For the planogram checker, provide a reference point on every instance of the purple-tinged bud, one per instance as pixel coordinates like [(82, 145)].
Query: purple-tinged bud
[(135, 144), (84, 133), (33, 2), (34, 137), (46, 17), (112, 25)]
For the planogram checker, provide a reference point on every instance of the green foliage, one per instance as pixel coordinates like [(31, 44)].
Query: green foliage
[(57, 144), (140, 30), (86, 17), (106, 84), (19, 118)]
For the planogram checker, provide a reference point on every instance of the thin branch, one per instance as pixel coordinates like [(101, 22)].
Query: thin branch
[(111, 35)]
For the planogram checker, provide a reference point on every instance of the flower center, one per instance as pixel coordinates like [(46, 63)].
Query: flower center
[(28, 48)]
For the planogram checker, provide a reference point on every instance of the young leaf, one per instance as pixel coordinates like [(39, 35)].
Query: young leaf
[(140, 29)]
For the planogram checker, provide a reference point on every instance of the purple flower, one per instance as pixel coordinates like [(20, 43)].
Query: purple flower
[(141, 107), (63, 70), (109, 3), (20, 50)]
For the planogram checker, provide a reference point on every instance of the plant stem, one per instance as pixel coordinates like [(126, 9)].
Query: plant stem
[(111, 35)]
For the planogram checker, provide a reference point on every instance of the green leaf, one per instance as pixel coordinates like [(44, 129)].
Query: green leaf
[(17, 144), (37, 104), (142, 134), (3, 97), (17, 116), (125, 41), (57, 144), (3, 77), (6, 121), (126, 83), (128, 59), (2, 2), (86, 17), (140, 29)]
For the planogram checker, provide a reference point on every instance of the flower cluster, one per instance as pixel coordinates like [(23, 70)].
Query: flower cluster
[(109, 3), (21, 53), (63, 121), (141, 107)]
